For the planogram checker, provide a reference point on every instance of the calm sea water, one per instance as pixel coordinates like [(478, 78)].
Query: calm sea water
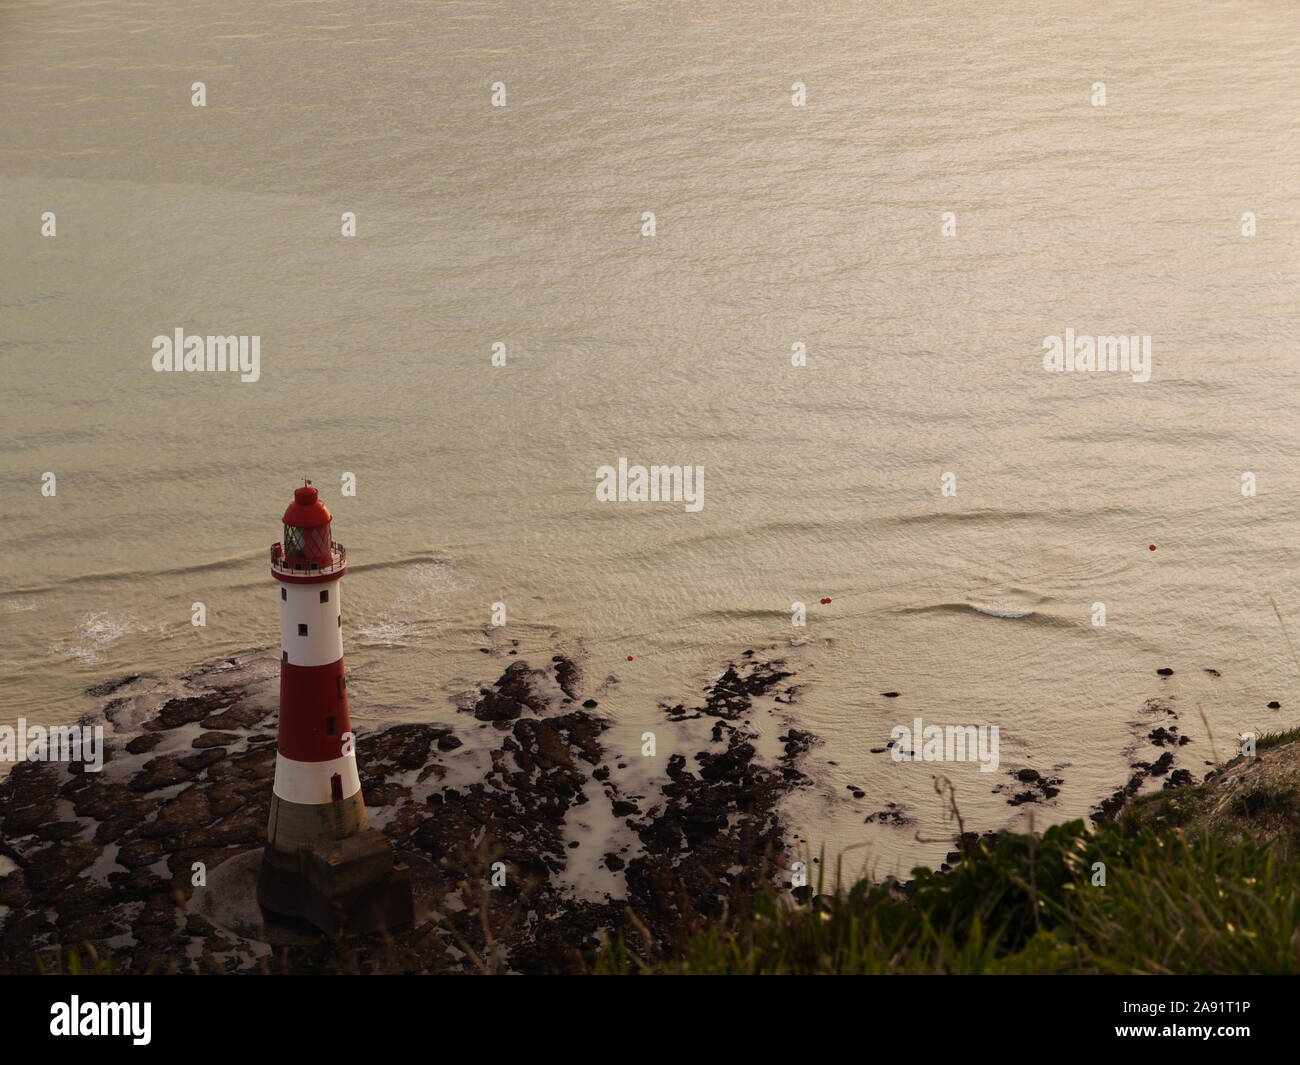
[(775, 225)]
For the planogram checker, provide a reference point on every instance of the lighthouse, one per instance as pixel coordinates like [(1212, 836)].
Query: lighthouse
[(322, 861)]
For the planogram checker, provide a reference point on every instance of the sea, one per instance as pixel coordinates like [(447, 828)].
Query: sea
[(819, 250)]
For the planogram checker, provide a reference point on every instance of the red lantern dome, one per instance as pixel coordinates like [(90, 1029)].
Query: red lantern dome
[(307, 527), (307, 511)]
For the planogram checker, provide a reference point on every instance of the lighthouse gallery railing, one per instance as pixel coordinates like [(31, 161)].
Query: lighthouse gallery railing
[(338, 560)]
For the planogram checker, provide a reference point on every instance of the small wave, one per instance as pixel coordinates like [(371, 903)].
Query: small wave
[(995, 610), (96, 633), (113, 576), (1014, 607), (386, 634), (83, 655), (420, 558), (104, 629), (243, 560), (945, 517), (1001, 611)]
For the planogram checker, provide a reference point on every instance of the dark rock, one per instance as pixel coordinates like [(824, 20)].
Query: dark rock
[(160, 773), (893, 814), (399, 749), (196, 763), (57, 831), (1040, 788), (386, 795), (214, 739), (707, 842), (144, 742), (110, 686), (1167, 737), (177, 712), (512, 696), (240, 715), (566, 675)]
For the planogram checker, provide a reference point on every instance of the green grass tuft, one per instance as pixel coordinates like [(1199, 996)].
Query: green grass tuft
[(1276, 739)]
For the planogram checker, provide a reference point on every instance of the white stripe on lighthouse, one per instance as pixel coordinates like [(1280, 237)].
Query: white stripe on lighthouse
[(301, 606), (308, 783)]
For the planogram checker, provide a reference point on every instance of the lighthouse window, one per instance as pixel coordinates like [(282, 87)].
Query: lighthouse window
[(336, 788), (284, 656), (284, 592), (343, 684), (316, 542), (340, 621), (325, 596), (331, 726), (293, 541), (302, 630)]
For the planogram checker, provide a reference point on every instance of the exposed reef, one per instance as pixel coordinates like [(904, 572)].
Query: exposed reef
[(503, 816)]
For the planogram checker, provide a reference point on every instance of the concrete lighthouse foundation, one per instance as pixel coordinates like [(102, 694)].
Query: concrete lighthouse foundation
[(323, 863), (349, 885)]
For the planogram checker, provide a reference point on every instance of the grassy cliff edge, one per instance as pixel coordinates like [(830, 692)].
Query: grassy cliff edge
[(1203, 878)]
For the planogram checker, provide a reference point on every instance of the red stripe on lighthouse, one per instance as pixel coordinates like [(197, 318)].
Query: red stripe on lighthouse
[(313, 712)]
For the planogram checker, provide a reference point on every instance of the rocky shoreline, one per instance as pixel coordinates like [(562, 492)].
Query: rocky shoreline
[(522, 787), (530, 837)]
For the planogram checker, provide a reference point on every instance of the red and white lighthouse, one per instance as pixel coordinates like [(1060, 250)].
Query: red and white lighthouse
[(322, 860), (317, 790)]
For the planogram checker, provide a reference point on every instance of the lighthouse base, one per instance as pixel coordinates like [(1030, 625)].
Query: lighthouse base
[(346, 886)]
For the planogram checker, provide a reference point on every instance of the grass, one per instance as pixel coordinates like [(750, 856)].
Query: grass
[(1276, 739), (1173, 901)]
